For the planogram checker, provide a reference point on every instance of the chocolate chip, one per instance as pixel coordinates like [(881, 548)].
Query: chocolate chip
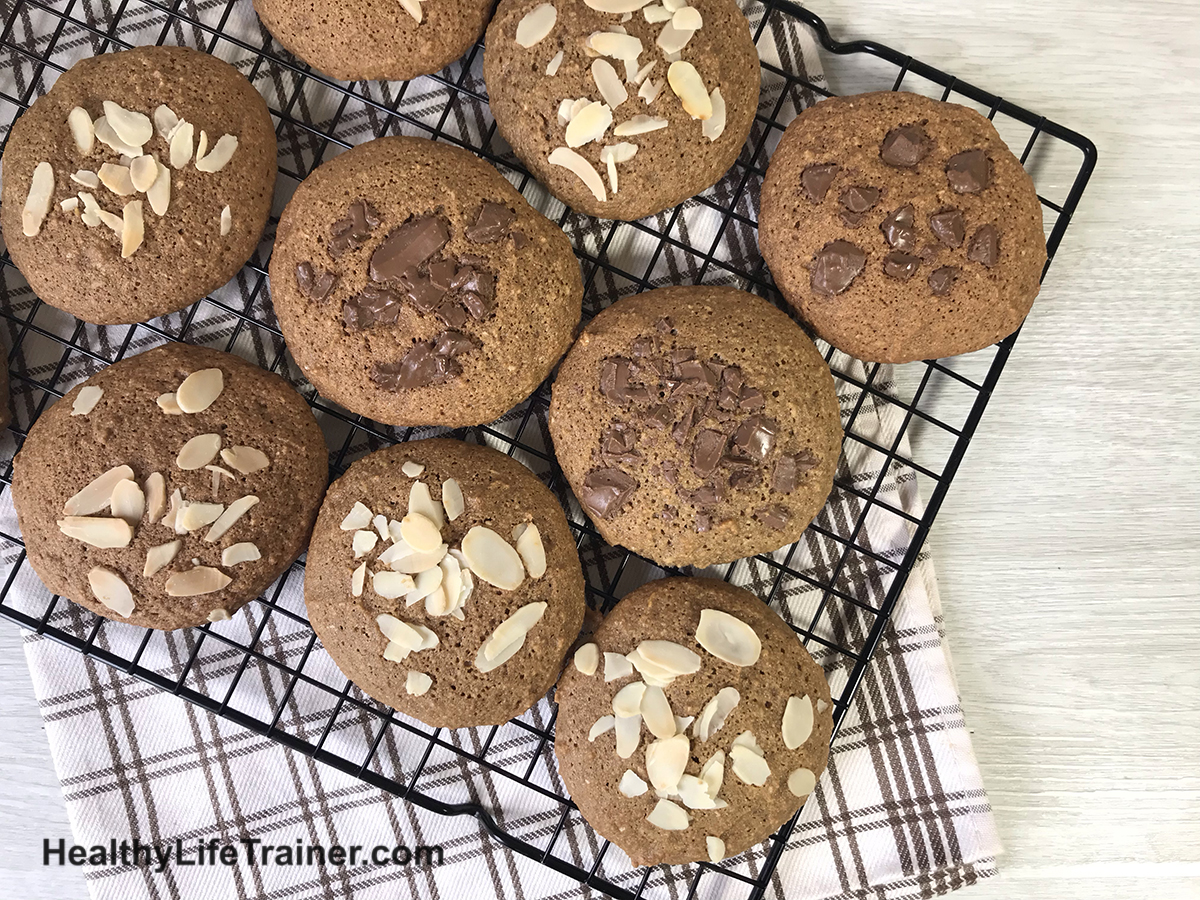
[(519, 240), (755, 438), (615, 384), (491, 224), (421, 290), (941, 280), (453, 343), (408, 246), (315, 284), (706, 496), (451, 313), (969, 172), (442, 272), (684, 426), (905, 146), (901, 265), (751, 399), (774, 516), (703, 523), (605, 491), (670, 471), (985, 246), (859, 198), (660, 416), (476, 290), (817, 179), (898, 229), (949, 227), (352, 232), (706, 452), (425, 364), (836, 265), (731, 388), (789, 468), (619, 444), (374, 304)]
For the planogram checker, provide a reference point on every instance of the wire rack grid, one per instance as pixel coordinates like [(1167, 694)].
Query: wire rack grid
[(850, 583)]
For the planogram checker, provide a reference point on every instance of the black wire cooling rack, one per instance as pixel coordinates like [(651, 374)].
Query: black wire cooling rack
[(933, 408)]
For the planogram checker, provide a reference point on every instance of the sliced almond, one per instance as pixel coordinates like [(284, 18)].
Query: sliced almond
[(413, 8), (359, 516), (420, 532), (115, 223), (728, 638), (650, 90), (165, 121), (589, 123), (687, 18), (143, 172), (364, 542), (569, 159), (107, 136), (555, 62), (714, 126), (117, 179), (236, 554), (619, 152), (451, 585), (821, 705), (133, 228), (602, 725), (716, 711), (412, 469), (196, 581), (404, 559), (37, 201), (247, 460), (132, 127), (536, 24), (158, 558), (639, 124), (587, 659), (202, 145), (507, 652), (493, 559), (577, 105), (182, 141), (693, 793), (380, 524), (168, 520), (651, 673), (616, 6), (220, 614), (656, 713), (220, 155), (128, 501), (657, 13), (615, 45), (91, 210), (200, 390), (417, 683), (611, 89), (235, 511), (82, 130), (452, 498), (69, 204), (670, 656), (86, 178), (97, 531), (689, 87), (565, 108), (424, 584), (87, 398), (168, 404), (197, 515), (797, 722), (421, 501), (802, 782), (110, 589), (226, 221), (616, 667), (749, 741), (748, 766), (665, 761), (668, 816), (515, 626), (716, 848), (629, 732), (672, 39), (437, 602), (199, 451), (712, 773), (674, 5), (410, 637), (98, 493), (391, 585), (358, 578), (156, 496), (531, 551), (631, 784), (159, 193), (628, 700), (644, 71)]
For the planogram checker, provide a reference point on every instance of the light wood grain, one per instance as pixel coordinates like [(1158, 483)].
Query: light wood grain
[(1068, 548)]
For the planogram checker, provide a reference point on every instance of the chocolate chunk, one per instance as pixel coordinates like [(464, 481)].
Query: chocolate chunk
[(969, 172), (641, 347), (476, 289), (949, 226), (605, 491), (491, 224), (929, 253), (352, 232), (684, 426), (519, 240), (442, 272), (453, 343), (682, 354), (817, 179), (898, 229), (669, 513), (851, 219), (789, 468), (420, 367), (905, 146), (374, 304), (315, 284), (670, 471), (619, 444), (859, 198), (755, 437), (408, 246), (751, 399), (451, 312), (774, 516), (731, 388), (660, 416), (985, 246), (744, 478), (703, 523), (707, 451), (421, 290), (615, 382), (706, 496), (691, 370), (665, 325), (836, 265), (941, 280), (901, 265)]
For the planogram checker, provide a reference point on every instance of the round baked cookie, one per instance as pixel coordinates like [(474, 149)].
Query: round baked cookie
[(693, 725), (368, 40), (901, 228), (112, 222), (148, 514), (571, 87), (443, 580), (416, 286), (696, 425)]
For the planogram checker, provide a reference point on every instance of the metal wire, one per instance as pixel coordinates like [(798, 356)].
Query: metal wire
[(519, 434)]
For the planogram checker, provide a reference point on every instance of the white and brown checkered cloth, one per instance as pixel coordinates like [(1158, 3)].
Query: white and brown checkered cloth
[(901, 811)]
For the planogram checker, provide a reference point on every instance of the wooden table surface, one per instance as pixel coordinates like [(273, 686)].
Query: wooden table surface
[(1069, 547)]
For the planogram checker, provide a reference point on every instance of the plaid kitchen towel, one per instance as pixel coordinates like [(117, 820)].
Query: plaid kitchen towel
[(901, 811)]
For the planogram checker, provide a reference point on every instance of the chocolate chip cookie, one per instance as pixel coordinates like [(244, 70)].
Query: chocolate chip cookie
[(139, 183), (901, 228), (622, 109), (693, 724), (364, 40), (170, 488), (443, 580), (416, 286), (696, 425)]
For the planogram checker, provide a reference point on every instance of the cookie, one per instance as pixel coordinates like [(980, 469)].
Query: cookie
[(138, 184), (622, 109), (901, 228), (693, 724), (365, 40), (170, 488), (416, 286), (443, 580), (696, 425)]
